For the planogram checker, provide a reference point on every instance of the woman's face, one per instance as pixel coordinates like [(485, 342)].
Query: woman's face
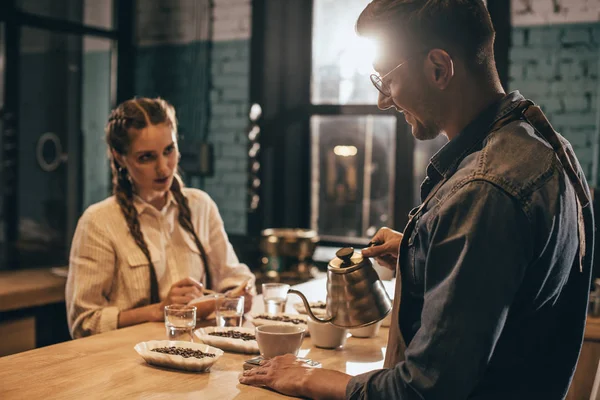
[(152, 160)]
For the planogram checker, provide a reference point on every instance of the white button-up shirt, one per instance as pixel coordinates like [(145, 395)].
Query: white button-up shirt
[(108, 272)]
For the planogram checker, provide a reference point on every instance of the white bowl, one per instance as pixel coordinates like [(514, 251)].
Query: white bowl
[(193, 364), (366, 331), (326, 335), (226, 343)]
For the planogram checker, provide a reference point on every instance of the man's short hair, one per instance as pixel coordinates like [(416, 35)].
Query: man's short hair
[(457, 26)]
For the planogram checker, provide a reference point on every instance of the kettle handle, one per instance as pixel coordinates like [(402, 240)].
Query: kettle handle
[(307, 306)]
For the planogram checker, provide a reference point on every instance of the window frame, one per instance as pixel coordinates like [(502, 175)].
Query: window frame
[(403, 161), (281, 69), (12, 19)]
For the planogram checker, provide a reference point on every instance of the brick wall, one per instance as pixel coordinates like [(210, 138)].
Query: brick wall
[(554, 61), (172, 40), (557, 67)]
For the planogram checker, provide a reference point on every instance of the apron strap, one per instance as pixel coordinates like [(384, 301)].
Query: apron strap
[(532, 114)]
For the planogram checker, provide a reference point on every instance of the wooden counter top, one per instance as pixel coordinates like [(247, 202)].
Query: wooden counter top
[(592, 329), (107, 366), (30, 288)]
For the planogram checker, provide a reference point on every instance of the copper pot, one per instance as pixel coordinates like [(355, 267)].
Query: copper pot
[(289, 242)]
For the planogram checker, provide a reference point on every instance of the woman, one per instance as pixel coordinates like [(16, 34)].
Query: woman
[(152, 243)]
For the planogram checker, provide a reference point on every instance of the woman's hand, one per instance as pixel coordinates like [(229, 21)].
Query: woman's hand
[(181, 292), (386, 249), (244, 289)]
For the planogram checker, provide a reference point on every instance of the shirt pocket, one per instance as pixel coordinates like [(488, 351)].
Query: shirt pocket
[(137, 258), (136, 272), (191, 245), (416, 265), (190, 254)]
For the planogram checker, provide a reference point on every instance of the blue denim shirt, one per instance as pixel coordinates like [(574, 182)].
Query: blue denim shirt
[(493, 302)]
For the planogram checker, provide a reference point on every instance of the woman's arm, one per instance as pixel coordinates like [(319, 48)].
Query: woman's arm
[(149, 313), (181, 292), (90, 280), (225, 268)]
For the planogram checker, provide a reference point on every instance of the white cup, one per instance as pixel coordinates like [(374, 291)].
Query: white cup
[(277, 340), (366, 331), (326, 336)]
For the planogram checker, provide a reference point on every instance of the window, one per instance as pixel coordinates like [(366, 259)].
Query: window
[(57, 61), (342, 61), (357, 182), (92, 13), (352, 170)]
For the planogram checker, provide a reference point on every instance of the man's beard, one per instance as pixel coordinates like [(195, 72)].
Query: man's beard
[(425, 132)]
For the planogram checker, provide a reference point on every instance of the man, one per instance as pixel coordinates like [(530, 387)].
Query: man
[(495, 264)]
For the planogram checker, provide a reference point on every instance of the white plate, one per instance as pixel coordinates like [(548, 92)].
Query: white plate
[(194, 364), (314, 307), (226, 343), (257, 321)]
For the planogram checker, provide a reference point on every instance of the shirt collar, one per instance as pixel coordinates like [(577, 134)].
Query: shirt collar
[(448, 157), (142, 206)]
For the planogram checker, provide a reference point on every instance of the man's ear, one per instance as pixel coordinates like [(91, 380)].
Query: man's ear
[(439, 68)]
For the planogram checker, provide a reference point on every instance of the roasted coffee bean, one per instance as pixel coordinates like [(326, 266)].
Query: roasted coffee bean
[(183, 352), (282, 318), (234, 335)]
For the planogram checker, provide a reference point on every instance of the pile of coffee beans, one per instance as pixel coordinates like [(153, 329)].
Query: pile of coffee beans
[(234, 335), (282, 318), (183, 352), (319, 305)]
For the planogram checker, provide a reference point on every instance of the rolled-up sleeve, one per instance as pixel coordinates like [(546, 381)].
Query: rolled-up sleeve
[(480, 246), (225, 268), (90, 280)]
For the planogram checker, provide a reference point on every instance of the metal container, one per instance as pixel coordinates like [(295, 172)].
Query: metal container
[(289, 242), (288, 250), (355, 295)]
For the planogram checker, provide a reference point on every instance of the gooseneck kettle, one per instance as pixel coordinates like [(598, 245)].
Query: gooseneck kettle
[(355, 294)]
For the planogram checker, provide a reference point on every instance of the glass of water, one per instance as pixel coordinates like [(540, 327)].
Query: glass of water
[(229, 310), (275, 297), (180, 321)]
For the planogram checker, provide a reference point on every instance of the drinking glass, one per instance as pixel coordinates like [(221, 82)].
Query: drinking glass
[(275, 297), (180, 321), (229, 310)]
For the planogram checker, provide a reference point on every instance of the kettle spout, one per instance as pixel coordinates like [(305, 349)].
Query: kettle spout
[(308, 310)]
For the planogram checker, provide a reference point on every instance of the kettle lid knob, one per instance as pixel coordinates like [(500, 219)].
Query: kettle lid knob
[(345, 253)]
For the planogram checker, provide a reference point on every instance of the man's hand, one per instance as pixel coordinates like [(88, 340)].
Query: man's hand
[(386, 250), (285, 374)]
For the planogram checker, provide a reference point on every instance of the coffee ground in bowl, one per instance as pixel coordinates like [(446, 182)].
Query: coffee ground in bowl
[(183, 352), (281, 318), (234, 335)]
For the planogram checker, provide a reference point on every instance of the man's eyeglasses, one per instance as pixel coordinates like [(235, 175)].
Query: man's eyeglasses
[(380, 83)]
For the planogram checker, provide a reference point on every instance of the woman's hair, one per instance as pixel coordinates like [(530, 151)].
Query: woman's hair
[(130, 116), (457, 26)]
